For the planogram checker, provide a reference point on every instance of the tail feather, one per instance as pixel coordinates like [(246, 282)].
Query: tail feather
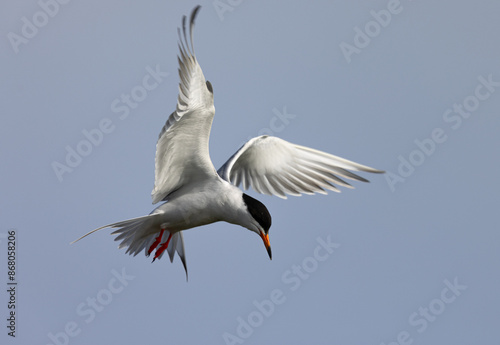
[(114, 225), (179, 247), (139, 233)]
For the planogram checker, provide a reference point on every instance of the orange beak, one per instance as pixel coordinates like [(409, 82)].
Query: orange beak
[(265, 238)]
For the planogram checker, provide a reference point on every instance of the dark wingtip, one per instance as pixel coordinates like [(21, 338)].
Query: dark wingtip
[(184, 23), (194, 13)]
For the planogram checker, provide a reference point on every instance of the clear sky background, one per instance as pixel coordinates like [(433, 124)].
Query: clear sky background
[(413, 255)]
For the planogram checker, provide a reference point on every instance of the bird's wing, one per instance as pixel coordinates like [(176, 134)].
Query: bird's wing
[(274, 166), (182, 148)]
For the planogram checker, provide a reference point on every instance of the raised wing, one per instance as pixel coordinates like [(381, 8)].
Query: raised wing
[(274, 166), (182, 149)]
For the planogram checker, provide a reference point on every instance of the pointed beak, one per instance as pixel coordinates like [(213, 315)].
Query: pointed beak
[(265, 238)]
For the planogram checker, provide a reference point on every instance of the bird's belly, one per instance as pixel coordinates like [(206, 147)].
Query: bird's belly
[(189, 211)]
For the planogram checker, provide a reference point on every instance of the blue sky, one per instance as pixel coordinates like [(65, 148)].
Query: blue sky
[(410, 87)]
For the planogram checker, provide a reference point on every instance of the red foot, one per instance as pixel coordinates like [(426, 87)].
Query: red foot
[(156, 242), (162, 248)]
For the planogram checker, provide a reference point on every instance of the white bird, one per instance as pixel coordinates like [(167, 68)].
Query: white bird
[(196, 194)]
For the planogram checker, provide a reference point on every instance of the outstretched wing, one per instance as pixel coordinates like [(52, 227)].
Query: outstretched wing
[(274, 166), (182, 149)]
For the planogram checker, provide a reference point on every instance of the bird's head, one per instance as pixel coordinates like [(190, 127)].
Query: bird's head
[(262, 217)]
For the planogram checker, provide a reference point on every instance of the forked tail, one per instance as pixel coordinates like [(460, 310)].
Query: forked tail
[(140, 233)]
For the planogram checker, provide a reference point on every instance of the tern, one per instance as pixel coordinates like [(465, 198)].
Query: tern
[(196, 194)]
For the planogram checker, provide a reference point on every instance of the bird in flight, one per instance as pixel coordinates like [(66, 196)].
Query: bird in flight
[(195, 193)]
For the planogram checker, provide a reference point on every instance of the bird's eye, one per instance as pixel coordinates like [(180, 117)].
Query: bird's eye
[(209, 87)]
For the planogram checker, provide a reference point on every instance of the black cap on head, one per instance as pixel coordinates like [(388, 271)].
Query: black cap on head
[(258, 211)]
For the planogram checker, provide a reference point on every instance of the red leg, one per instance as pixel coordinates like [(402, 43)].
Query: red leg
[(156, 242), (162, 248)]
